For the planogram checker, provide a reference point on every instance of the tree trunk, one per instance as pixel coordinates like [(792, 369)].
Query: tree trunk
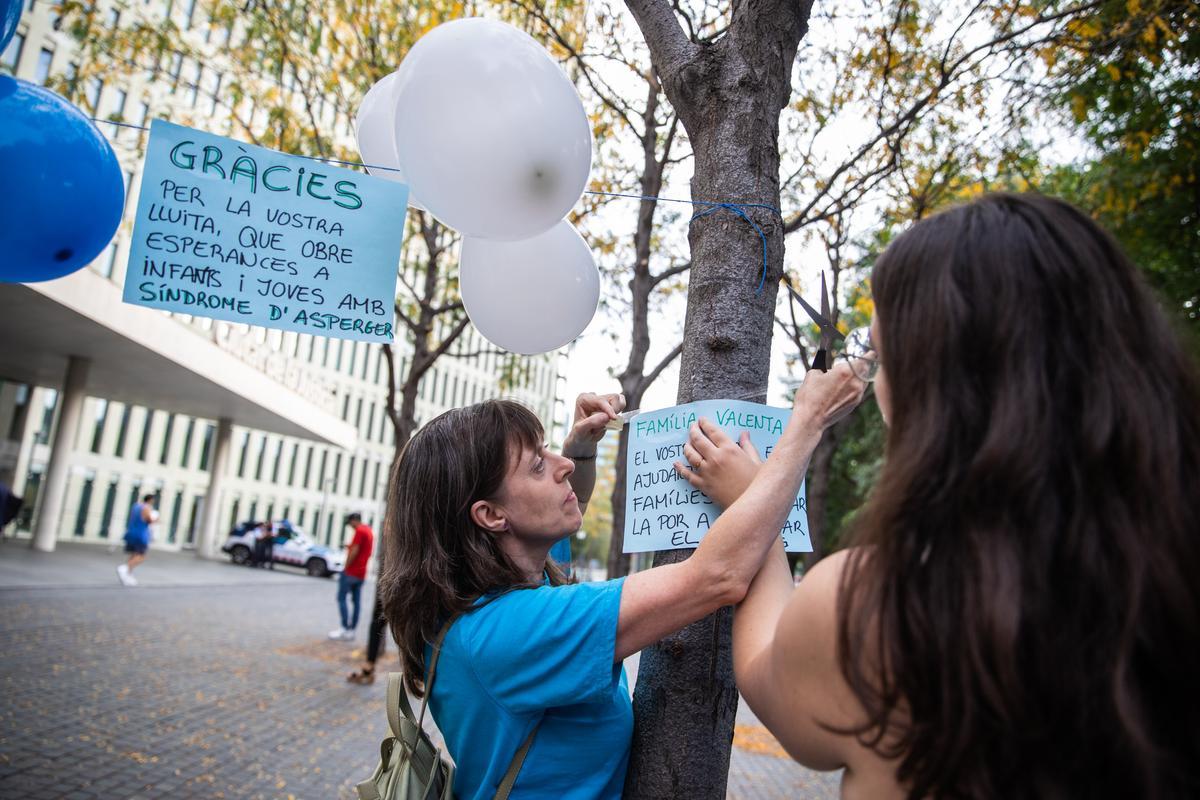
[(817, 491), (729, 94)]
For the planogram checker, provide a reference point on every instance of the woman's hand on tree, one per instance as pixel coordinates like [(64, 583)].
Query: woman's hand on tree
[(592, 413), (720, 467)]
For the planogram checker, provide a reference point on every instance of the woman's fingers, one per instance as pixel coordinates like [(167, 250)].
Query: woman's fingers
[(692, 455), (687, 474), (748, 447)]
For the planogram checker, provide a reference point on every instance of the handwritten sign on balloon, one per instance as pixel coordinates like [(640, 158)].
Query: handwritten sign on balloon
[(662, 510), (241, 233)]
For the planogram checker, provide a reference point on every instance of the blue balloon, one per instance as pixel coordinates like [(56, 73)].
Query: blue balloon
[(10, 15), (64, 188)]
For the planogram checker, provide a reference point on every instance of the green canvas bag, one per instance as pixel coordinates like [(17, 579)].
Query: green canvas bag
[(411, 767)]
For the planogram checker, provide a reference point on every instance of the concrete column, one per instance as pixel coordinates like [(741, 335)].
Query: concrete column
[(206, 544), (49, 518)]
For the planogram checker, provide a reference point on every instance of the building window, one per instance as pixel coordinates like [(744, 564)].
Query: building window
[(85, 501), (166, 445), (41, 72), (254, 509), (107, 260), (20, 412), (233, 514), (114, 18), (119, 107), (329, 529), (216, 93), (371, 422), (341, 348), (194, 88), (262, 454), (321, 475), (176, 68), (189, 14), (292, 464), (206, 446), (270, 515), (12, 53), (49, 401), (191, 530), (278, 459), (94, 89), (350, 476), (242, 458), (358, 415), (98, 429), (346, 407), (353, 356), (110, 500), (362, 483), (375, 488), (337, 470), (187, 442), (176, 513), (307, 467), (300, 517), (145, 444), (379, 365)]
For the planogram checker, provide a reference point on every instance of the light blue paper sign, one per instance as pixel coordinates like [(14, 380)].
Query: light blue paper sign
[(662, 510), (237, 232)]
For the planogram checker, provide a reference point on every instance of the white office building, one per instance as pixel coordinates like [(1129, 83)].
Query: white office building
[(101, 402)]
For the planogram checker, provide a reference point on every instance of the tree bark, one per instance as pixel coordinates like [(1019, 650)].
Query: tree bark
[(728, 94)]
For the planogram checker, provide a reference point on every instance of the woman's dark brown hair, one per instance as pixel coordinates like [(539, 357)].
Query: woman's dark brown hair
[(437, 561), (1023, 618)]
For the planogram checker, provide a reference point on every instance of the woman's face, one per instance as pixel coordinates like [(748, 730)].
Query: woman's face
[(883, 392), (536, 498)]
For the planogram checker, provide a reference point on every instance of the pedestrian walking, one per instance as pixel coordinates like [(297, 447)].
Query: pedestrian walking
[(138, 533), (354, 573)]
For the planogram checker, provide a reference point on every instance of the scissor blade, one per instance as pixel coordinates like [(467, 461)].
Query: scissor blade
[(824, 298), (821, 321)]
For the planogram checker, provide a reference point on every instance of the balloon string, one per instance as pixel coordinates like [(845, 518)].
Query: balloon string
[(713, 205)]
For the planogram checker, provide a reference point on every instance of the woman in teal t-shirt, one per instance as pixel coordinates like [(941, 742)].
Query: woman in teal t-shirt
[(476, 503)]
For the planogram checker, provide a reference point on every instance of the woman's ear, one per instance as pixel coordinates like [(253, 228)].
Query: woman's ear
[(488, 516)]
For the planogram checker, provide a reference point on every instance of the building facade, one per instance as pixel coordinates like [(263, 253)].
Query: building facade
[(118, 450)]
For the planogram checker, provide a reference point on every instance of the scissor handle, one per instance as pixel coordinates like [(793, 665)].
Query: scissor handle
[(821, 359)]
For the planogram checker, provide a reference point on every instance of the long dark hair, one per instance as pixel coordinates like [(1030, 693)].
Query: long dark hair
[(1022, 618), (437, 561)]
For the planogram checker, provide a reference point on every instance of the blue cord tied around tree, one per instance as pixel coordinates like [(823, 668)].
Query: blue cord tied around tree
[(737, 209)]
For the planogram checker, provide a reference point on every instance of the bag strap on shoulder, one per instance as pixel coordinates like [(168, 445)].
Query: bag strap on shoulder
[(397, 703), (514, 768)]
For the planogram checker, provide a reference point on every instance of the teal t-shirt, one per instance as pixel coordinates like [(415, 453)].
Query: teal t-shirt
[(531, 655)]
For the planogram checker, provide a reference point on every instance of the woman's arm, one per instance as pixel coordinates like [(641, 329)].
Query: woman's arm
[(662, 600), (592, 413)]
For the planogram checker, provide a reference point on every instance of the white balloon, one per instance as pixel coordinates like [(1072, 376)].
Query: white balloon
[(533, 295), (492, 135), (375, 129)]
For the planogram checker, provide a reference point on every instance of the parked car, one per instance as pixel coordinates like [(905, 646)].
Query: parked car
[(291, 546)]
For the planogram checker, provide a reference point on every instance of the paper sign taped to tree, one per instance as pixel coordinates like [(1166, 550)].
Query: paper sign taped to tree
[(662, 510), (241, 233)]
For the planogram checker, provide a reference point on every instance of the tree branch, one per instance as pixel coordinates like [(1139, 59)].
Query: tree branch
[(654, 373)]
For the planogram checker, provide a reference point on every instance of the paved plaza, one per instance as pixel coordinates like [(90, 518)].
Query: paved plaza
[(211, 681)]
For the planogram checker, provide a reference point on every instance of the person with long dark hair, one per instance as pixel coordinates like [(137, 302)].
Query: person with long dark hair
[(1019, 614), (475, 504)]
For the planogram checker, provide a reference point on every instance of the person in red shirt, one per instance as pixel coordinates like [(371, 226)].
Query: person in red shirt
[(353, 574)]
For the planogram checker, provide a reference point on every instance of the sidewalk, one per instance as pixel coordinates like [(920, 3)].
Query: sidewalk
[(211, 680)]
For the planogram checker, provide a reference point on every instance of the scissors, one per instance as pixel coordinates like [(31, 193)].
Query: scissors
[(829, 332)]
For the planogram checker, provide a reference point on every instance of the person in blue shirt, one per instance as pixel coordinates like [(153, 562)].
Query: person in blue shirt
[(137, 537), (476, 503)]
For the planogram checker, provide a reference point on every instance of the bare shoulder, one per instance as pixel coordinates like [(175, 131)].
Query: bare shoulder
[(805, 666)]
